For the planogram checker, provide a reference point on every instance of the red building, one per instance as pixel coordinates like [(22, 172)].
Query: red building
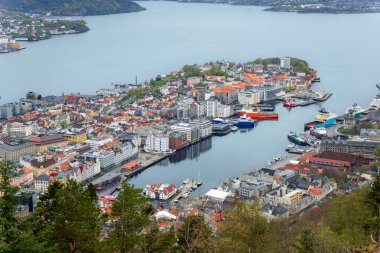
[(177, 140)]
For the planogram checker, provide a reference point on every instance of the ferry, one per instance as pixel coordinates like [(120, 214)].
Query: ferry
[(244, 121), (257, 114), (297, 139), (355, 110), (322, 119)]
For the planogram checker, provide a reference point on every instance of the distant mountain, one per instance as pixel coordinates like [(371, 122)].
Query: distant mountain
[(71, 7)]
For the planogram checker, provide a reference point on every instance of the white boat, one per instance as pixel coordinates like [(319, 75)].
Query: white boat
[(375, 104), (186, 181), (234, 128), (354, 110)]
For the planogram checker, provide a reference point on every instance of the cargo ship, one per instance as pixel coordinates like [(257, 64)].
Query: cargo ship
[(257, 114), (297, 139), (244, 122), (322, 119)]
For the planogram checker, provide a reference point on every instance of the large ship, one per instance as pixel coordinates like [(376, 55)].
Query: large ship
[(244, 121), (375, 104), (257, 114), (322, 119), (355, 110), (296, 139)]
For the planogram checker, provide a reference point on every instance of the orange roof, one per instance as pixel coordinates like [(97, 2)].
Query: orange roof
[(26, 170), (315, 191)]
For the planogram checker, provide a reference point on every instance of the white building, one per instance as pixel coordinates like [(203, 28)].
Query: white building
[(285, 62), (212, 108), (204, 125), (192, 132), (160, 191), (225, 111), (157, 143), (249, 97), (19, 129), (42, 182)]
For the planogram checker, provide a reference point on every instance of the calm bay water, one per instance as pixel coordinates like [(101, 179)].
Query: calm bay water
[(345, 49)]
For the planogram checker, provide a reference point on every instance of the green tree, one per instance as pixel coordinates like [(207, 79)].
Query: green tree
[(245, 230), (374, 202), (195, 235), (69, 218), (131, 214), (305, 242), (8, 204), (156, 241)]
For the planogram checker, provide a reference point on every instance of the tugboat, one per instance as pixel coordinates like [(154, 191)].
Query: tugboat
[(297, 139), (244, 121)]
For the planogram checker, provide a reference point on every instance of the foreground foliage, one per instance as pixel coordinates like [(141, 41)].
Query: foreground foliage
[(67, 220)]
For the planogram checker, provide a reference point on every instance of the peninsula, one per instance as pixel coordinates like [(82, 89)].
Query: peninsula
[(71, 7)]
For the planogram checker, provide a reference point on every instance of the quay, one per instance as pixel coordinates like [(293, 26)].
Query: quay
[(184, 190)]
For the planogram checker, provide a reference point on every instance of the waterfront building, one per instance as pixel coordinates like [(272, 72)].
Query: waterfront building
[(252, 188), (217, 196), (157, 143), (19, 129), (225, 111), (192, 132), (249, 97), (212, 107), (13, 151), (177, 140), (361, 147), (204, 125), (160, 191), (226, 94)]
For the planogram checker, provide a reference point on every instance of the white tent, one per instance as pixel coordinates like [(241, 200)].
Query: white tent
[(165, 215), (216, 195)]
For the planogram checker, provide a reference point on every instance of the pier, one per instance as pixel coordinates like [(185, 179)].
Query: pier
[(184, 190)]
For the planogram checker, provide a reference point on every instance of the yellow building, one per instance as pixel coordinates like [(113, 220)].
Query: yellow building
[(76, 137), (293, 197)]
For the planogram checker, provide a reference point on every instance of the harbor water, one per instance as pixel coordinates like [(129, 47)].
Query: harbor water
[(345, 50)]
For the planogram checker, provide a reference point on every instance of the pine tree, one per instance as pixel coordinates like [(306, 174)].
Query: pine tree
[(69, 218), (130, 212), (7, 205)]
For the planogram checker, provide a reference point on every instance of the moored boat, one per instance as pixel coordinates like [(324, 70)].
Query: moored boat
[(323, 118), (244, 121), (289, 104), (257, 114), (354, 110), (296, 139)]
